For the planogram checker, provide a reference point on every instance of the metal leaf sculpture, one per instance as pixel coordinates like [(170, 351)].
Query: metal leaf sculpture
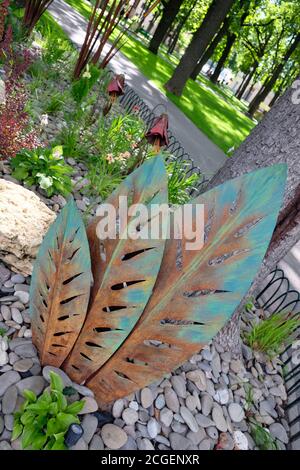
[(124, 270), (60, 287), (191, 302), (153, 303)]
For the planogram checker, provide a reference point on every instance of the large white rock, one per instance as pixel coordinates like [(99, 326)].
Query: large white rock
[(24, 220)]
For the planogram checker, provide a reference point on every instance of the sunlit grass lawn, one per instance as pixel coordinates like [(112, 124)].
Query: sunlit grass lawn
[(210, 108)]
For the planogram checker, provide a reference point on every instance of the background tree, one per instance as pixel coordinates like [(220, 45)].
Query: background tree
[(171, 9), (271, 80), (203, 36), (276, 139), (183, 16), (236, 20), (210, 49)]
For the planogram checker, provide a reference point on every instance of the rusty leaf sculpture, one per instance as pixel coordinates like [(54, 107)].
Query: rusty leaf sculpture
[(127, 343), (191, 304), (60, 287), (123, 279)]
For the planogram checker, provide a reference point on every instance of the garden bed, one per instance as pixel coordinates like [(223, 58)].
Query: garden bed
[(212, 401)]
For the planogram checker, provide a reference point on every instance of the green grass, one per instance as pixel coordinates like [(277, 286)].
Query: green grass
[(50, 29), (273, 334), (209, 107)]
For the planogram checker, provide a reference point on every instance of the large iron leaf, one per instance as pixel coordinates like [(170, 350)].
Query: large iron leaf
[(194, 298), (60, 287), (124, 271)]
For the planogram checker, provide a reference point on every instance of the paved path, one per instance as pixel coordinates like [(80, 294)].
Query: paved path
[(204, 152)]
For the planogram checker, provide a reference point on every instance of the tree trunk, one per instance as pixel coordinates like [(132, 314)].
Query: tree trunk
[(275, 98), (245, 76), (244, 87), (210, 50), (211, 24), (145, 7), (230, 40), (134, 7), (271, 82), (179, 27), (152, 22), (169, 14), (275, 139), (249, 91)]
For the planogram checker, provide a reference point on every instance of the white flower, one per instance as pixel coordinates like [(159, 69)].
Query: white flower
[(86, 74), (44, 120), (57, 152), (44, 181)]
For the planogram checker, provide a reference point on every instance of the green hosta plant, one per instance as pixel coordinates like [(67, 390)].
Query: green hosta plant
[(44, 167), (43, 422)]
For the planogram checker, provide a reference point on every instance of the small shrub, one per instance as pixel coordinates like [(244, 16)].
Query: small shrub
[(273, 334), (44, 167), (14, 123), (181, 183), (54, 103), (103, 180), (43, 422)]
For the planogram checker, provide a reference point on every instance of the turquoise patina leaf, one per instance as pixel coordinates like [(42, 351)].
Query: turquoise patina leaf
[(60, 286), (193, 299)]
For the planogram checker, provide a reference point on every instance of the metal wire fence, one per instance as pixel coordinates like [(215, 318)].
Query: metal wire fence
[(132, 103), (278, 295)]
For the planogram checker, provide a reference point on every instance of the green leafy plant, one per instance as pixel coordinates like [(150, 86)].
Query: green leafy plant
[(273, 334), (249, 398), (70, 138), (180, 182), (103, 179), (43, 422), (55, 103), (44, 167), (2, 332), (249, 305), (262, 437), (114, 152), (82, 86)]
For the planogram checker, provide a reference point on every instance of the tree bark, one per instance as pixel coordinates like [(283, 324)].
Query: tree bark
[(275, 139), (170, 12), (272, 80), (210, 50), (230, 40), (203, 36)]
